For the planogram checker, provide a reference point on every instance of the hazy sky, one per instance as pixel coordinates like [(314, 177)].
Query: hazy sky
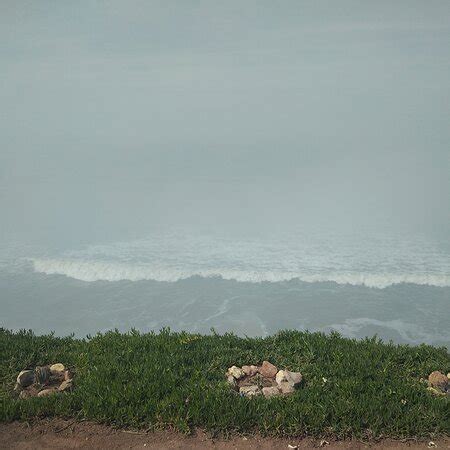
[(119, 116)]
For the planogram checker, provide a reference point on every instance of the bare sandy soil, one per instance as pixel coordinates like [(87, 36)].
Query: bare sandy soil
[(57, 433)]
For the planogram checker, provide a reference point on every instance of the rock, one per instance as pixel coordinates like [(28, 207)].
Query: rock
[(287, 381), (250, 371), (296, 377), (47, 392), (56, 378), (65, 386), (280, 376), (236, 372), (57, 368), (268, 370), (435, 391), (28, 393), (293, 378), (271, 391), (42, 374), (232, 382), (438, 380), (286, 387), (250, 391), (25, 378)]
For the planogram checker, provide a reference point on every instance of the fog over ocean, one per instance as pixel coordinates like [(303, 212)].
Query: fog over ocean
[(242, 166)]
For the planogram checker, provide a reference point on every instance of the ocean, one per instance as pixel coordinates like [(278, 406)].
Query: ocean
[(394, 285)]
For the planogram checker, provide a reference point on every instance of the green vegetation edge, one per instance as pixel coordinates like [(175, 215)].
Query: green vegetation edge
[(352, 388)]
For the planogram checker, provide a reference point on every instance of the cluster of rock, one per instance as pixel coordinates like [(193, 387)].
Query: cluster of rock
[(438, 383), (43, 381), (266, 380)]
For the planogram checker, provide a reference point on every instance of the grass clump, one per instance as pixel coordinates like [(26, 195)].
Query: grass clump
[(351, 388)]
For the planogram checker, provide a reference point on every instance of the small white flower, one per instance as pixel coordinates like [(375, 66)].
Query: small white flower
[(324, 379)]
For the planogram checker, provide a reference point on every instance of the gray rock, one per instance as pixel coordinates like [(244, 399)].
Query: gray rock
[(296, 377), (268, 370), (42, 374), (25, 378), (250, 391), (271, 391)]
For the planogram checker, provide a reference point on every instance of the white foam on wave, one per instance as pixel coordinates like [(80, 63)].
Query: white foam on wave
[(376, 261), (94, 270)]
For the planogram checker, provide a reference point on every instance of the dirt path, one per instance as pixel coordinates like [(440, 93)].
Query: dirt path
[(57, 434)]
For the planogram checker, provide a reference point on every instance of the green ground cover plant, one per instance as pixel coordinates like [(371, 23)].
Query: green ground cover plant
[(351, 388)]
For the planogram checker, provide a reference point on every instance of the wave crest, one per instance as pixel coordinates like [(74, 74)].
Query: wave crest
[(90, 271)]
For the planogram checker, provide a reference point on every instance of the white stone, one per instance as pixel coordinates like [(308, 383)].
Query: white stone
[(236, 372), (285, 376), (232, 382), (57, 368), (286, 387), (280, 376), (250, 391)]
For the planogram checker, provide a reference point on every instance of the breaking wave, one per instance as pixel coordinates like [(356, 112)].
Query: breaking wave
[(92, 270)]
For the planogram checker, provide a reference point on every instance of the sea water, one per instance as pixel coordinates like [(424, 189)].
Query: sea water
[(394, 285)]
